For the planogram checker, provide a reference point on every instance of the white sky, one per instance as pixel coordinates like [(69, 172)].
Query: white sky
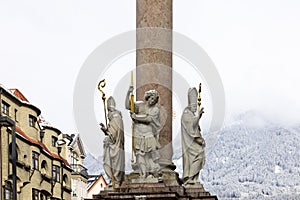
[(254, 44)]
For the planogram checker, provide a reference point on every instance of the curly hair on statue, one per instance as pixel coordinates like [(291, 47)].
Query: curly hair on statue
[(150, 93)]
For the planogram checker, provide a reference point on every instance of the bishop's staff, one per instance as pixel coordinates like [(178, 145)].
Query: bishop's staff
[(132, 111), (199, 98), (101, 85)]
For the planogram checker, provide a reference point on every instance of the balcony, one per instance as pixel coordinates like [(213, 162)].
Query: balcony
[(79, 169)]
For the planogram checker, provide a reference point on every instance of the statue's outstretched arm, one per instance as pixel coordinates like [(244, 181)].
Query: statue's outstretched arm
[(145, 119), (197, 118), (196, 121)]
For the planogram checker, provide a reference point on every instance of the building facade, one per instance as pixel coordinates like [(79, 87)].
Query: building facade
[(43, 171), (96, 184), (79, 175)]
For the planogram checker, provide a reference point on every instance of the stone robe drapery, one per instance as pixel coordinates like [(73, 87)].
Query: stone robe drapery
[(192, 149), (146, 134), (114, 155)]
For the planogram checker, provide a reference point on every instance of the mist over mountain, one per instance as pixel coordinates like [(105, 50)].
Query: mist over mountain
[(94, 165), (252, 158)]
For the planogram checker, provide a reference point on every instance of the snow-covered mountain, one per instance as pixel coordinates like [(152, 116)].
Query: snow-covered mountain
[(94, 165), (252, 159)]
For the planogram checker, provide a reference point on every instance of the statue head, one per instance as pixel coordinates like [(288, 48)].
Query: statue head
[(192, 99), (111, 104), (151, 96)]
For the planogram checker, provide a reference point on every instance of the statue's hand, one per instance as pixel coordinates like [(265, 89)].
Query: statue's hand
[(201, 141), (106, 142), (102, 125), (103, 128), (104, 131), (133, 116), (201, 110)]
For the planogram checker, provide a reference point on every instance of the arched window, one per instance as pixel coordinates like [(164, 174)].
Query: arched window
[(44, 195), (35, 160), (35, 194), (65, 179), (44, 166), (56, 173)]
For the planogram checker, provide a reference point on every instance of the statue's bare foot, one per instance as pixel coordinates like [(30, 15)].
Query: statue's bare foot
[(150, 176), (117, 185), (143, 176)]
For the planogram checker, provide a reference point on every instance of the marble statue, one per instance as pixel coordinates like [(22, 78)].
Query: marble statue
[(192, 142), (146, 127), (113, 145)]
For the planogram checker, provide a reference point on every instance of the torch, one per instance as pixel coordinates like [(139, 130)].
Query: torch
[(132, 111)]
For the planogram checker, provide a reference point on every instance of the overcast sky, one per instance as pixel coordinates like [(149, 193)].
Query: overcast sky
[(254, 44)]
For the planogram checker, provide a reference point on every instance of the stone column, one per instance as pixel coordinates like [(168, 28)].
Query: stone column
[(154, 66)]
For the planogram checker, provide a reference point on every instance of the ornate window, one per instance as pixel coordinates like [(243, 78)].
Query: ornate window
[(45, 195), (32, 121), (74, 158), (53, 141), (42, 196), (5, 108), (35, 160), (56, 173)]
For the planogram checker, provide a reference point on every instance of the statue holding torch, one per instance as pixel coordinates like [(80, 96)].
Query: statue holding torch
[(146, 127)]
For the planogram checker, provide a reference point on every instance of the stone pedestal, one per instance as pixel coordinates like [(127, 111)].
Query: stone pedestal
[(169, 189), (154, 71), (155, 191)]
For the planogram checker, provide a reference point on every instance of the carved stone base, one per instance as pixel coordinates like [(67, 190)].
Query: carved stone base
[(169, 189), (146, 180)]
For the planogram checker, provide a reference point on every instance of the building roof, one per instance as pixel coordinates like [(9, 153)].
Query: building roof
[(18, 94), (42, 121), (93, 180), (19, 97), (76, 140), (42, 146)]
